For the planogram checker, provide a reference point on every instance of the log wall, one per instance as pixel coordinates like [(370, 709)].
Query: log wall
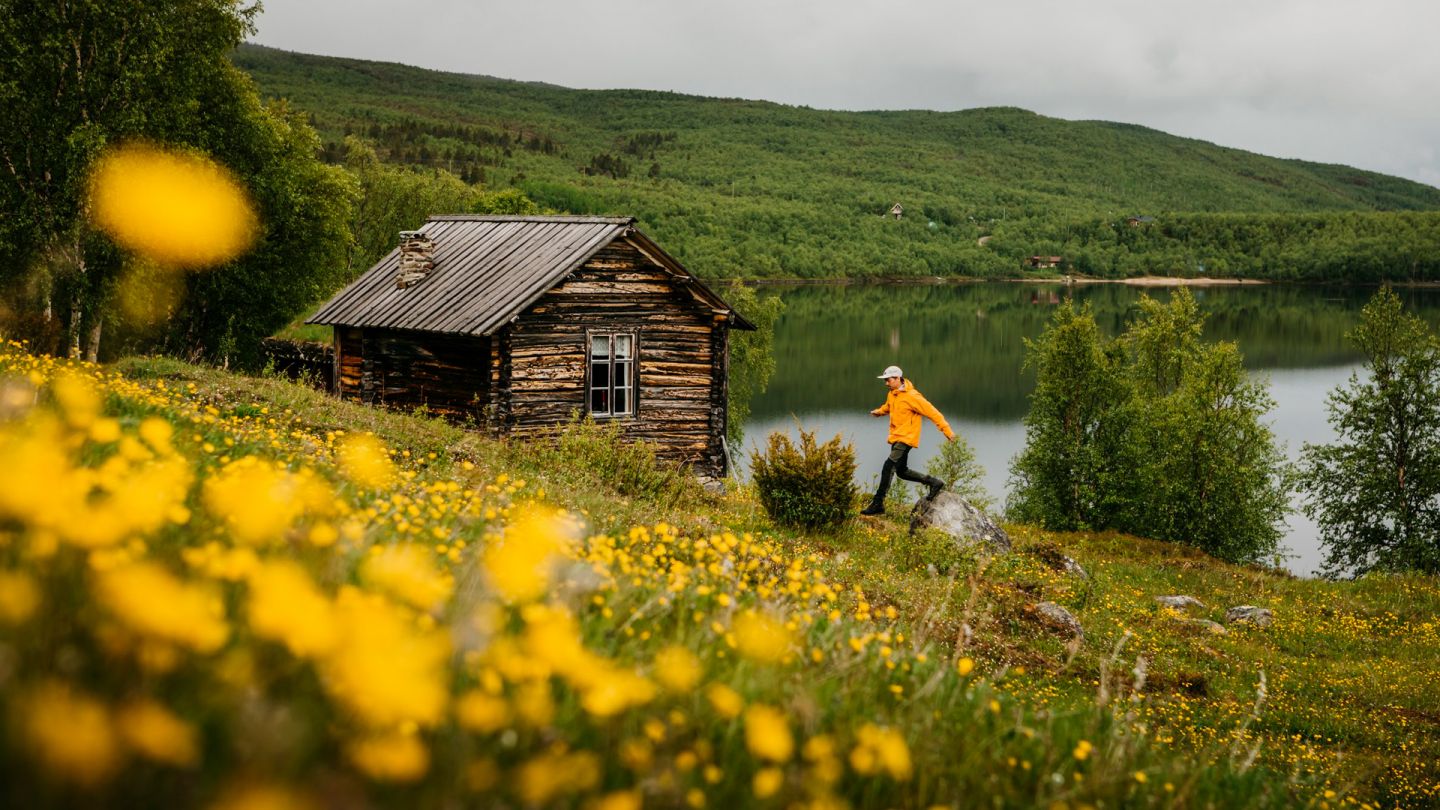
[(681, 351), (449, 375)]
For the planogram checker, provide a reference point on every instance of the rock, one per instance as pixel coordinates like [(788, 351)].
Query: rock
[(958, 518), (1069, 566), (1052, 556), (1214, 627), (1179, 602), (1059, 618), (712, 485), (1258, 616)]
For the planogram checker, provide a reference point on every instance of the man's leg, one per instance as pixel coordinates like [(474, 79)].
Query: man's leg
[(903, 470), (887, 472)]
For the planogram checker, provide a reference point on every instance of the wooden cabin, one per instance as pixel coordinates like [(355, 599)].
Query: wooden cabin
[(896, 211), (1043, 262), (518, 323)]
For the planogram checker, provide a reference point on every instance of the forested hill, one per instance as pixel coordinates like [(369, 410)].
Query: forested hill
[(749, 188)]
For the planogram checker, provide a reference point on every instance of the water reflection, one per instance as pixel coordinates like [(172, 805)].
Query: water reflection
[(963, 346)]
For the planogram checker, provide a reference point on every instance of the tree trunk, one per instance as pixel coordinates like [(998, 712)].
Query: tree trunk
[(74, 327), (92, 346)]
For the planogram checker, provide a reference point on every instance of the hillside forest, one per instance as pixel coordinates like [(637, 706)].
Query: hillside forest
[(749, 189)]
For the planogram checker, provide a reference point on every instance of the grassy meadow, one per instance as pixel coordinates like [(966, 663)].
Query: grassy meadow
[(229, 591)]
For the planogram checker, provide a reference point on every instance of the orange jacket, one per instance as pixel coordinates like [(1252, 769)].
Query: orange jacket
[(905, 406)]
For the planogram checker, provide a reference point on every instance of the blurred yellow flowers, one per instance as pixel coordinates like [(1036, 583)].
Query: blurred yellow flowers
[(175, 208)]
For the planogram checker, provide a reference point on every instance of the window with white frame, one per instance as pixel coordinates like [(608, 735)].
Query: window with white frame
[(612, 373)]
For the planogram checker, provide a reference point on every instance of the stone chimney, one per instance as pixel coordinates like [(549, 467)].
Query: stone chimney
[(417, 258)]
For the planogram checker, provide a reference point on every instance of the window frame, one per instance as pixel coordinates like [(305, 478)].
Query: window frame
[(633, 377)]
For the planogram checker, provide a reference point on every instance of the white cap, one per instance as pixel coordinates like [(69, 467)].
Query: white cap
[(892, 371)]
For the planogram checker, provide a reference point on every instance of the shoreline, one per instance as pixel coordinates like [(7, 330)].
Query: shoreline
[(1133, 281)]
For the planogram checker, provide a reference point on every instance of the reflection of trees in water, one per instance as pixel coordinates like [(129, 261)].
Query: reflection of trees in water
[(963, 345)]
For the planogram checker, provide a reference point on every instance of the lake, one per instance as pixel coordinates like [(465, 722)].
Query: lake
[(962, 346)]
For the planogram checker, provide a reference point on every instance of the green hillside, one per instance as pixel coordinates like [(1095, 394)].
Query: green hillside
[(287, 598), (749, 188)]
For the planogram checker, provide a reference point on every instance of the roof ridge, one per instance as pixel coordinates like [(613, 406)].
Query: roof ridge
[(560, 218)]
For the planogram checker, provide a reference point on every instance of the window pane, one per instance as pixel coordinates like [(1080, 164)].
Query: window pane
[(599, 400), (599, 375), (622, 374), (621, 401), (599, 347), (623, 346)]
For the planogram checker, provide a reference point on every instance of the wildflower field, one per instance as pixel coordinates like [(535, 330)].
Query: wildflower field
[(235, 592)]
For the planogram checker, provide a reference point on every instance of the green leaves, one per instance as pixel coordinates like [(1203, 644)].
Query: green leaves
[(1375, 493), (811, 486), (1155, 434)]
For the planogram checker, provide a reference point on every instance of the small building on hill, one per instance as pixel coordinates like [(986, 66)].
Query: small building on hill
[(515, 323), (896, 211), (1043, 262)]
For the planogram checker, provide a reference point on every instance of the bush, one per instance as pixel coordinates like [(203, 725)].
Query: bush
[(957, 467), (809, 487), (630, 467)]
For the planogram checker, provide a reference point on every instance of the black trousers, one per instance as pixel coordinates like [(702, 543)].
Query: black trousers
[(898, 465)]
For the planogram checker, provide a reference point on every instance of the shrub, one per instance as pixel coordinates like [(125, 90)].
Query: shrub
[(957, 467), (630, 467), (809, 487)]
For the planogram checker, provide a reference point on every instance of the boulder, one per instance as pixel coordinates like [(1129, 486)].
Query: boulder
[(1179, 602), (1059, 618), (1258, 616), (1214, 627), (960, 519), (1058, 560)]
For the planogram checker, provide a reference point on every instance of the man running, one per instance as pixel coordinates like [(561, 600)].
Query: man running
[(906, 407)]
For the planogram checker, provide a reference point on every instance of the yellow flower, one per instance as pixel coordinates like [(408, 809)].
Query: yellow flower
[(175, 208), (406, 572), (619, 800), (386, 669), (761, 638), (256, 499), (884, 749), (157, 433), (965, 666), (767, 734), (153, 602), (364, 460), (390, 757), (767, 782), (1082, 750), (617, 691), (727, 701), (18, 597), (156, 733), (263, 797), (677, 668), (479, 712), (1141, 777), (519, 563), (77, 399), (554, 773), (286, 606), (71, 734)]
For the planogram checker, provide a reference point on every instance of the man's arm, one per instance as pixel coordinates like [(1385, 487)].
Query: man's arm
[(933, 414)]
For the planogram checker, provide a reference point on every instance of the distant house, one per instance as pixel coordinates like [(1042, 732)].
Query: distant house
[(1043, 262), (1133, 221), (515, 323), (896, 210)]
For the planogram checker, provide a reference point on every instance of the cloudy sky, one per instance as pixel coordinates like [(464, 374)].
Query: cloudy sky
[(1338, 82)]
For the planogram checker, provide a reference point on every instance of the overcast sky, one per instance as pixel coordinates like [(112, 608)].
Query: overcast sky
[(1338, 82)]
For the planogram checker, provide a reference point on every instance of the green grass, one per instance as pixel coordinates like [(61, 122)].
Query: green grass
[(1347, 667)]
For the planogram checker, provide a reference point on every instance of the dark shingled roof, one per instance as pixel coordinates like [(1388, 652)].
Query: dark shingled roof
[(488, 269)]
